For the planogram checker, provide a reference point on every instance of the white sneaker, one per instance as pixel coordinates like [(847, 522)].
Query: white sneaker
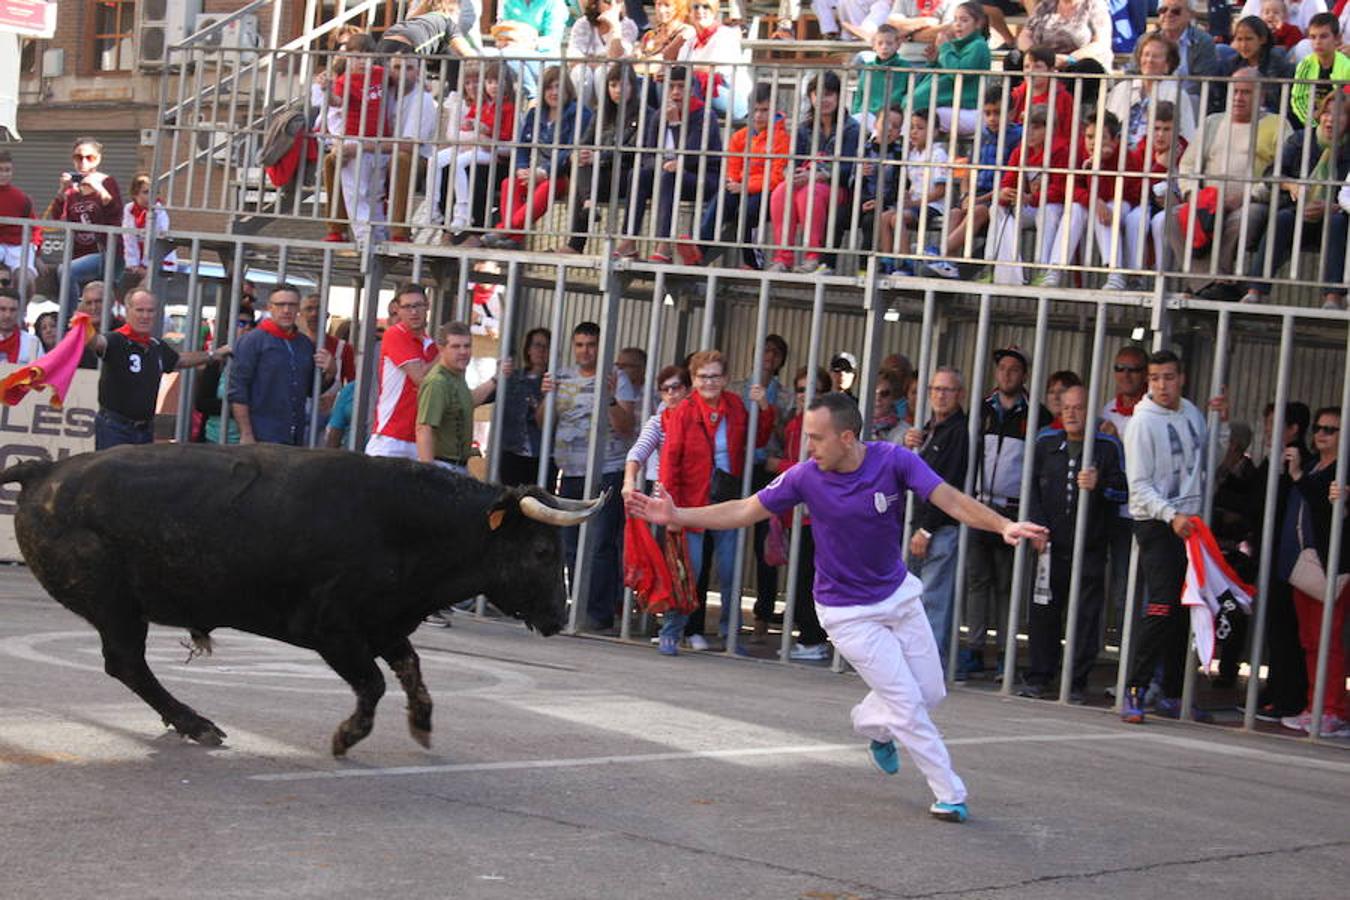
[(1114, 282), (698, 642), (809, 651), (1299, 722), (459, 222)]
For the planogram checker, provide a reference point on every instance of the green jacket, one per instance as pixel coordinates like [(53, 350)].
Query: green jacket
[(1301, 95), (881, 83), (969, 54)]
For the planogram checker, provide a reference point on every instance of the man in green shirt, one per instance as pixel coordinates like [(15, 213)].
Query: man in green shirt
[(445, 403)]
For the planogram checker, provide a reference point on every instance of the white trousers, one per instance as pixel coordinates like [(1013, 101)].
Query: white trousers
[(1003, 243), (384, 445), (363, 189), (890, 644)]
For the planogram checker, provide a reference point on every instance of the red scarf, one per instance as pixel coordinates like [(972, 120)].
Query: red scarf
[(135, 336), (138, 214), (276, 330), (702, 37), (711, 417), (1125, 405), (10, 346)]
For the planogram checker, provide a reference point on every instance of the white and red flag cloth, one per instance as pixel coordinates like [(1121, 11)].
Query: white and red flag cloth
[(1208, 579), (54, 370)]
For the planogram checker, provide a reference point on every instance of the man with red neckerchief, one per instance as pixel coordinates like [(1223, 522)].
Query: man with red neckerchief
[(134, 360), (273, 375), (406, 356), (1131, 374), (16, 345)]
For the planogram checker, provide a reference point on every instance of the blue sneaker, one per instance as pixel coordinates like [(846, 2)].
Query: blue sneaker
[(1170, 708), (949, 812), (1132, 707), (669, 645), (884, 756)]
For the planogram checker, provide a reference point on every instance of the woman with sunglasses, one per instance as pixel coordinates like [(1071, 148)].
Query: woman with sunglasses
[(86, 197), (673, 382)]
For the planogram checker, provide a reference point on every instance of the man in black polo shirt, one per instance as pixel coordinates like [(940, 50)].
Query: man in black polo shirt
[(133, 363)]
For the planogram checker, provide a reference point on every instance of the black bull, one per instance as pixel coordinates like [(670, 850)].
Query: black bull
[(329, 550)]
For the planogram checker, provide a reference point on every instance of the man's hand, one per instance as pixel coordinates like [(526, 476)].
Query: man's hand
[(506, 367), (1314, 210), (1007, 195), (523, 175), (1293, 462), (1039, 544), (1219, 403), (224, 351), (1087, 479), (324, 360), (1109, 427), (657, 509), (918, 545), (759, 397), (1015, 531), (869, 205), (1182, 526), (547, 385), (1103, 213), (734, 187), (913, 438), (1334, 492)]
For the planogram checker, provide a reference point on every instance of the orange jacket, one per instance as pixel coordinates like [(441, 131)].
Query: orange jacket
[(779, 153)]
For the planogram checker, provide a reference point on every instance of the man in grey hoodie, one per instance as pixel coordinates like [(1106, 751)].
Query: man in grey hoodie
[(1165, 464)]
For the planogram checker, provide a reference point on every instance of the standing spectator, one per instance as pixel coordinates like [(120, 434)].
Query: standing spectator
[(339, 349), (1055, 386), (212, 388), (1311, 502), (605, 158), (406, 355), (134, 361), (1195, 46), (1326, 63), (1253, 47), (670, 169), (673, 384), (273, 375), (1133, 101), (576, 404), (359, 93), (1165, 463), (414, 116), (702, 462), (16, 204), (45, 329), (136, 256), (1004, 416), (603, 34), (521, 436), (1079, 32), (1130, 371), (820, 179), (1059, 482), (1037, 195), (944, 444), (966, 50), (541, 168), (16, 345), (530, 28), (445, 403), (812, 643), (91, 304), (86, 197), (844, 373), (1159, 159), (717, 57), (885, 417)]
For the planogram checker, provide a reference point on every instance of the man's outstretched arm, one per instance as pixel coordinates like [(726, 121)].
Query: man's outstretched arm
[(966, 509), (659, 510)]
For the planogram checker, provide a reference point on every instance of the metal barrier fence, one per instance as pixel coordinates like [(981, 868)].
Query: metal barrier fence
[(671, 312)]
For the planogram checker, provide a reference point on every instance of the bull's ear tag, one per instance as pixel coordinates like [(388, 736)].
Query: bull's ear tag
[(495, 518)]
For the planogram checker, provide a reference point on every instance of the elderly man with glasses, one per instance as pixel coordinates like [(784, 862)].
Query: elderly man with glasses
[(1198, 56)]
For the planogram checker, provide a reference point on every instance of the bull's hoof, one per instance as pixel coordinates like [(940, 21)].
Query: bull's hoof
[(203, 731), (340, 744), (349, 733), (421, 735)]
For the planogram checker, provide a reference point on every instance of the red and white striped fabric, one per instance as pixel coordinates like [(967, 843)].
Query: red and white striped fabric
[(1208, 578)]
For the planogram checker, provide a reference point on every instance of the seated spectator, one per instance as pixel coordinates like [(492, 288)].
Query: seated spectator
[(1327, 160), (1078, 33), (541, 169), (996, 142), (528, 28), (757, 157), (603, 167), (812, 642), (718, 60), (965, 49), (663, 42), (921, 24), (16, 204), (432, 28), (1298, 13), (925, 179), (675, 174), (1028, 198), (359, 93), (86, 197), (1130, 101), (822, 173), (486, 123), (1037, 90), (879, 178), (882, 81), (45, 329), (16, 345), (847, 20), (1325, 63), (414, 116), (135, 254), (1253, 48), (1227, 148), (1195, 48), (599, 37), (1276, 16), (1160, 155)]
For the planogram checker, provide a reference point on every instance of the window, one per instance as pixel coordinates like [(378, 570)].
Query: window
[(113, 33)]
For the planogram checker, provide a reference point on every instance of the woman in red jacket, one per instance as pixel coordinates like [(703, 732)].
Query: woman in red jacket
[(702, 462)]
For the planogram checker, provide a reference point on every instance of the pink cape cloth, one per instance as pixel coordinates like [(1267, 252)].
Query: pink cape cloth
[(54, 370), (1208, 578)]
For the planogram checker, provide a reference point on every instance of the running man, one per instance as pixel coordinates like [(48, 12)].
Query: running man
[(866, 599)]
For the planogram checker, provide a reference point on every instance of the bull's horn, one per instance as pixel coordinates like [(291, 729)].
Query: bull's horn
[(542, 512), (570, 505)]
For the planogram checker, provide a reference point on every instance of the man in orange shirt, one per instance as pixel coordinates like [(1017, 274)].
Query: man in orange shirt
[(746, 186)]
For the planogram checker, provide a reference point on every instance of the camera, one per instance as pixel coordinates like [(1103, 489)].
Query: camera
[(76, 177)]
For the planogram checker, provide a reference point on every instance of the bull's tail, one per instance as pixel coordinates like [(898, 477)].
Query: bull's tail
[(26, 471)]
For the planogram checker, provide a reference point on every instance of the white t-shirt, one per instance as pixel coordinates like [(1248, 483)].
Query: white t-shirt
[(575, 404), (922, 179)]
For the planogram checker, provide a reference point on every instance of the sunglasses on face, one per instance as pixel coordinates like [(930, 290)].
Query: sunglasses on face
[(1325, 429), (1133, 370), (88, 156), (670, 388), (1169, 10), (707, 7)]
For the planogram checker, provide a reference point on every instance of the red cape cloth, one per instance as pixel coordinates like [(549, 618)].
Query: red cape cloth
[(661, 577), (54, 370)]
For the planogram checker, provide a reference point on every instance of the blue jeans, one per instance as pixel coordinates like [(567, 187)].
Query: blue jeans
[(112, 430), (743, 219), (937, 571), (83, 270), (605, 543), (1333, 265), (665, 184), (724, 549)]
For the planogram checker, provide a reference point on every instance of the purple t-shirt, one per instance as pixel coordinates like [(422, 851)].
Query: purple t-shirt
[(856, 520)]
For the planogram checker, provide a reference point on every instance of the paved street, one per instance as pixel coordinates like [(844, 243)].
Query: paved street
[(576, 768)]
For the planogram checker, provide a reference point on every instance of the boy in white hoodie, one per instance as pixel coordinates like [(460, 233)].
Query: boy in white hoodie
[(1165, 464)]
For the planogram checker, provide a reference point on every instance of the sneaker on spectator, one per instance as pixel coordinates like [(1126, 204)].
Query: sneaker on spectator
[(1170, 708), (459, 223), (949, 812), (668, 645), (497, 240), (1114, 282), (440, 617), (1077, 696), (942, 269), (1333, 726), (985, 277), (809, 651), (1132, 707), (809, 266), (1031, 691), (698, 642), (1253, 297), (884, 756), (1299, 722), (778, 266)]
